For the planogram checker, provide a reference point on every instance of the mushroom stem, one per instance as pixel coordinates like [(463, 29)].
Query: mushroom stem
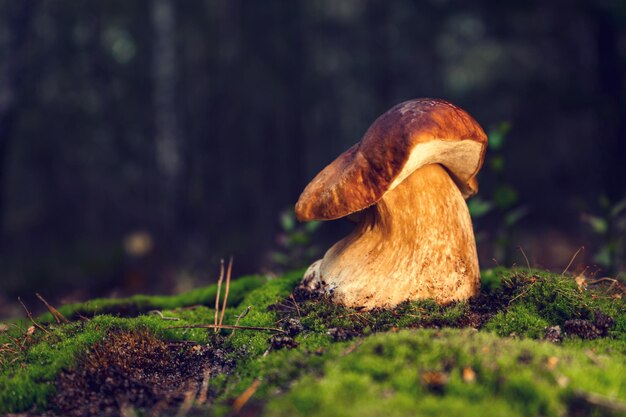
[(416, 242)]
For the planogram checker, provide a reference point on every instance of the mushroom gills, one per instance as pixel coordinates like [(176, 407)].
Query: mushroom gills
[(416, 242)]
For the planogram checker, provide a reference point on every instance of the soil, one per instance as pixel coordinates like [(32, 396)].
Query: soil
[(135, 370)]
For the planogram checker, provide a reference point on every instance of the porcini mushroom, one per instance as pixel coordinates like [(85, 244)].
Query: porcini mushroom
[(404, 184)]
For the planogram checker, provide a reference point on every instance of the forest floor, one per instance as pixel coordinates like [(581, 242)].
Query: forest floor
[(532, 343)]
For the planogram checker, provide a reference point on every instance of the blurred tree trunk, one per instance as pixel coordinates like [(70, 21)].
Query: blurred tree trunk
[(296, 84), (610, 80), (168, 136), (377, 18), (11, 79)]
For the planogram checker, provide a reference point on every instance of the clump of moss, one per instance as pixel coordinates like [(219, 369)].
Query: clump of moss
[(526, 303), (141, 304), (448, 372)]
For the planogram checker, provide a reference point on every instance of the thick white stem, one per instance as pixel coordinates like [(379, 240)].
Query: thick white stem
[(416, 242)]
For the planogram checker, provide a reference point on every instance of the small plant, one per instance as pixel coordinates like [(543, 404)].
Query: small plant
[(609, 226), (294, 249), (503, 205)]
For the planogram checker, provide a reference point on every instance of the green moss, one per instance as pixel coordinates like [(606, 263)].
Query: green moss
[(520, 319), (377, 371), (533, 300), (274, 290), (27, 379), (142, 303), (384, 375), (513, 378)]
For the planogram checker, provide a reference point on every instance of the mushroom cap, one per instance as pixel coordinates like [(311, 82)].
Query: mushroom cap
[(408, 136)]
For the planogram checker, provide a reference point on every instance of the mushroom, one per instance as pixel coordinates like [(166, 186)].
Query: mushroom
[(404, 185)]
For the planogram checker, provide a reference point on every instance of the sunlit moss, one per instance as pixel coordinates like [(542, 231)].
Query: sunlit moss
[(375, 368), (384, 375)]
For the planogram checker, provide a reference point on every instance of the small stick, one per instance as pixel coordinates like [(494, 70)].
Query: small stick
[(521, 294), (240, 316), (246, 395), (158, 313), (572, 260), (83, 318), (217, 297), (204, 389), (187, 401), (30, 316), (230, 270), (525, 257), (596, 281), (58, 317), (295, 304), (226, 326), (601, 401)]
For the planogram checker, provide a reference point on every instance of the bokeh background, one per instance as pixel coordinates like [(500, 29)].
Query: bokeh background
[(142, 141)]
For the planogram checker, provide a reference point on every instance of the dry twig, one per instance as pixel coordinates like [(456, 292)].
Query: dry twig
[(526, 258), (572, 260), (240, 316), (217, 297), (601, 401), (603, 279), (295, 303), (58, 316), (188, 400), (204, 388), (245, 396), (523, 293), (226, 326), (160, 314), (228, 273), (30, 316)]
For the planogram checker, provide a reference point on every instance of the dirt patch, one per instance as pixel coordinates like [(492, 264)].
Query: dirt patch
[(135, 370)]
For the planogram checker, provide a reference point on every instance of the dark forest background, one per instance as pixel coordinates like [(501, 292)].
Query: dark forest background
[(142, 141)]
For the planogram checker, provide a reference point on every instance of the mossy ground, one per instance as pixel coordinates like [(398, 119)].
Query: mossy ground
[(483, 357)]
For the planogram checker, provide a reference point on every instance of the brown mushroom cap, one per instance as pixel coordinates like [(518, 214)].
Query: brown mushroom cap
[(408, 136)]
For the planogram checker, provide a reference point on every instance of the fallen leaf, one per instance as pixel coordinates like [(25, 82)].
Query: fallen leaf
[(434, 380), (552, 362), (469, 375)]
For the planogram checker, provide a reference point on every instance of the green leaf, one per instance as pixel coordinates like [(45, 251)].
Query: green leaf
[(280, 258), (516, 215), (598, 224), (603, 257), (497, 136), (504, 196), (287, 221), (604, 201), (312, 226), (618, 208), (497, 163), (479, 207), (299, 239)]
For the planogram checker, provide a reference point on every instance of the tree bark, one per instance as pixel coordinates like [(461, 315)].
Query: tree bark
[(167, 130), (11, 79)]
